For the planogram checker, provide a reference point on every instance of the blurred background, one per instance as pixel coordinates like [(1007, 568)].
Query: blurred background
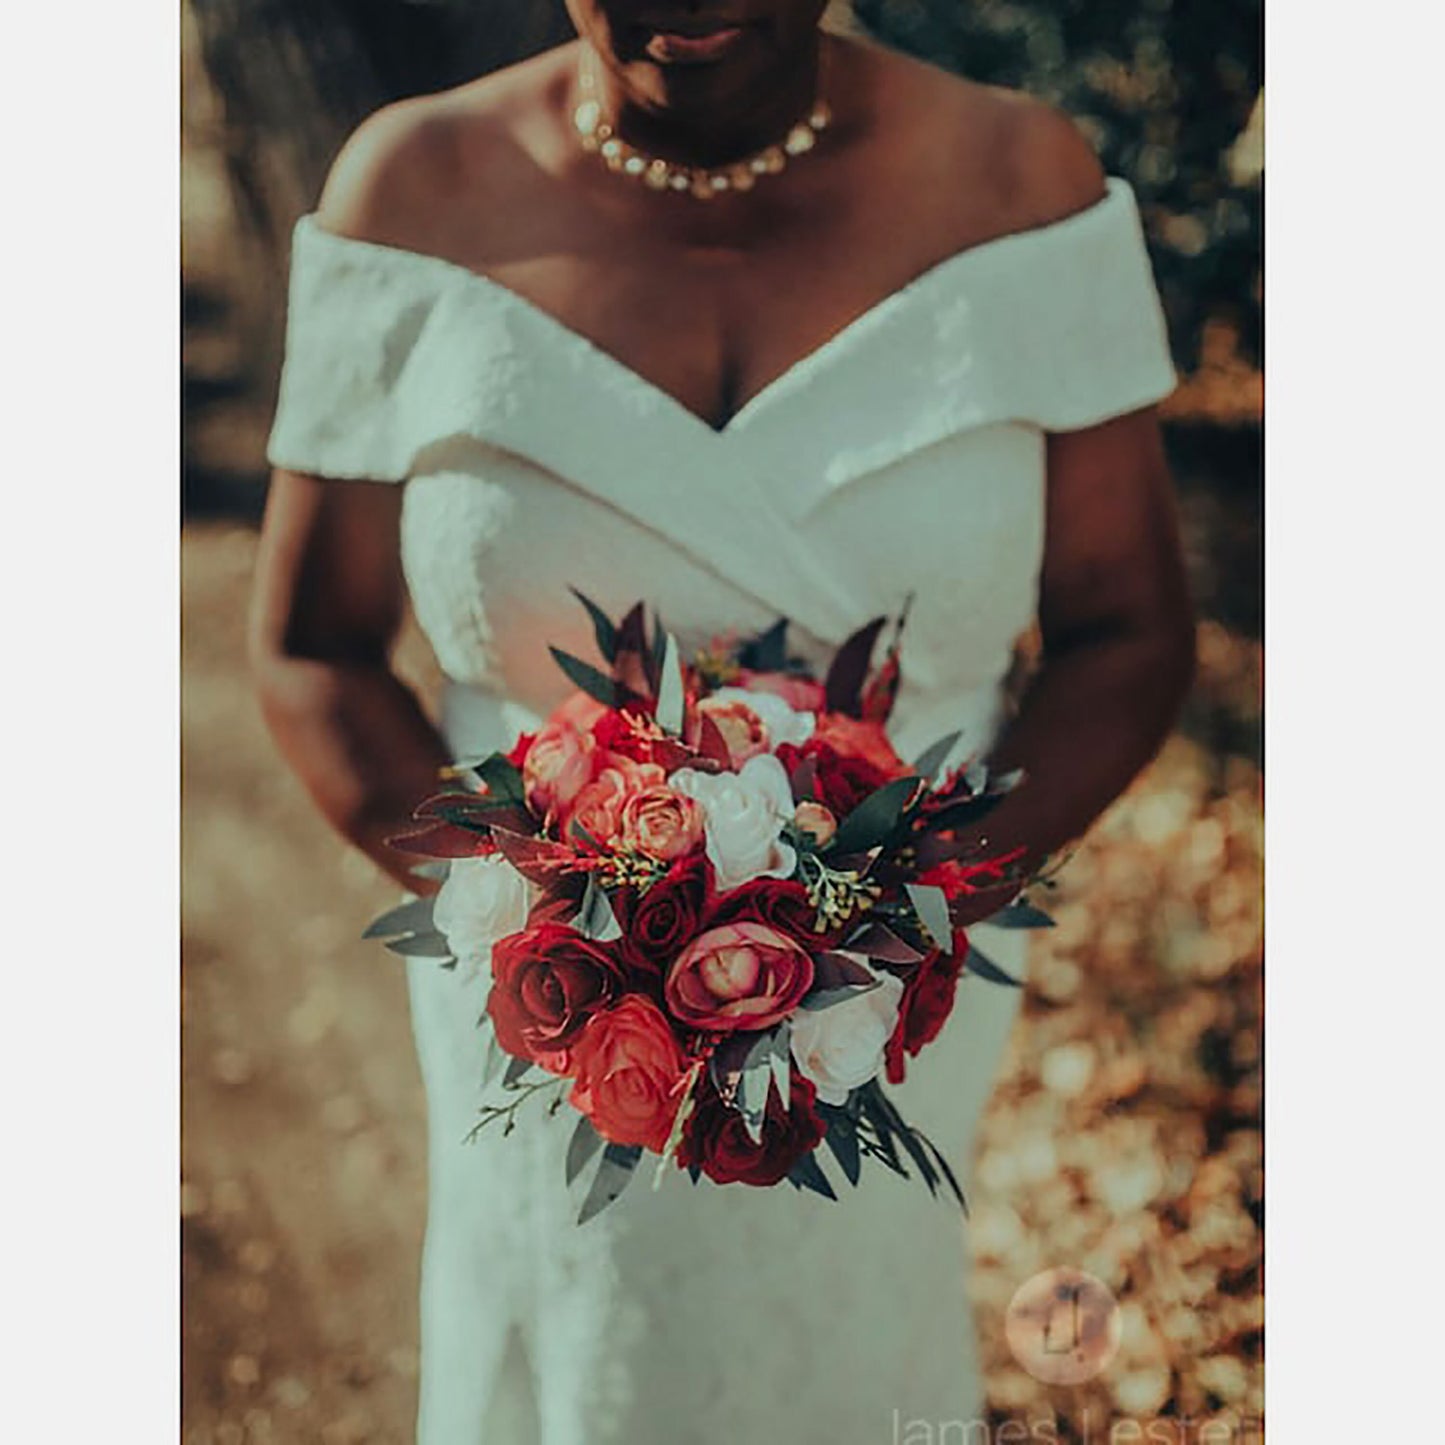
[(1125, 1134)]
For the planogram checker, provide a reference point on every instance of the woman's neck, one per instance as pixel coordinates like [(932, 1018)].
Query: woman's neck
[(700, 120)]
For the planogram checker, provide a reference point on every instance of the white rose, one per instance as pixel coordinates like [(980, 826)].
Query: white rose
[(841, 1047), (482, 900), (784, 724), (743, 813)]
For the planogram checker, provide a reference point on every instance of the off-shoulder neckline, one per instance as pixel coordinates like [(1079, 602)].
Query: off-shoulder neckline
[(1118, 193)]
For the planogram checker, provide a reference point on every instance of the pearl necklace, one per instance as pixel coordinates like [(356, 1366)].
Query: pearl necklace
[(703, 182)]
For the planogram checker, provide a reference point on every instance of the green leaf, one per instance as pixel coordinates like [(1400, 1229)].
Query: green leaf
[(1019, 915), (842, 1139), (931, 906), (829, 997), (586, 1141), (421, 945), (768, 651), (592, 682), (782, 1063), (757, 1079), (947, 1169), (871, 822), (602, 626), (517, 1067), (931, 759), (614, 1174), (595, 918), (503, 779), (671, 698), (808, 1174), (412, 917), (979, 962)]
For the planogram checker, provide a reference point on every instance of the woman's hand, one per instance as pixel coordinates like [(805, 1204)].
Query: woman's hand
[(327, 605)]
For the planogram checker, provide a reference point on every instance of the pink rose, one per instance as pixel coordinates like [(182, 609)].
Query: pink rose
[(598, 807), (801, 694), (741, 728), (661, 823), (559, 764), (738, 976), (857, 738)]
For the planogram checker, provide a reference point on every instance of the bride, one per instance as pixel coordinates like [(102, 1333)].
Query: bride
[(719, 309)]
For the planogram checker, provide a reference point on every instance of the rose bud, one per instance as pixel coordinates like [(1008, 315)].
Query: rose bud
[(815, 820)]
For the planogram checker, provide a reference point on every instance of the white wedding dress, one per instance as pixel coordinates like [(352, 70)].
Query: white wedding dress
[(905, 454)]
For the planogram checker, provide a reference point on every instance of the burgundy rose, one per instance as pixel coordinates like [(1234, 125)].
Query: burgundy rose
[(841, 781), (927, 1001), (658, 923), (715, 1138), (780, 904), (548, 981)]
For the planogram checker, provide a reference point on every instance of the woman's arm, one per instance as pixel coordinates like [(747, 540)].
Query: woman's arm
[(327, 605), (1118, 639)]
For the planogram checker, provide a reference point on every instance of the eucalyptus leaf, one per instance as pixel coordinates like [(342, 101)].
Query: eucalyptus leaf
[(946, 1169), (932, 759), (503, 779), (421, 945), (878, 941), (768, 651), (602, 626), (842, 1139), (585, 1142), (808, 1174), (412, 917), (931, 906), (757, 1080), (782, 1064), (871, 822), (595, 684), (517, 1068), (981, 964), (614, 1174), (671, 699), (1019, 915), (494, 1058), (830, 997), (595, 918)]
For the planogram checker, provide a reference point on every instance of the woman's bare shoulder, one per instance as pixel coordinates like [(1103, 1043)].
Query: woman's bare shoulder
[(397, 178), (1023, 160)]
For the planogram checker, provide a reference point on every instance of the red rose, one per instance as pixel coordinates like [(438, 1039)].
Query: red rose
[(548, 981), (629, 1072), (863, 738), (925, 1006), (657, 924), (840, 780), (780, 904), (715, 1139), (737, 975)]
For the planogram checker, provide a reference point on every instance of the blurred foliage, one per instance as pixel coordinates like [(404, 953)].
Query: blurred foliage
[(1169, 91), (1165, 89)]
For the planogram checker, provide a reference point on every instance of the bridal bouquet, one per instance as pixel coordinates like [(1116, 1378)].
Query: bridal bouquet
[(717, 909)]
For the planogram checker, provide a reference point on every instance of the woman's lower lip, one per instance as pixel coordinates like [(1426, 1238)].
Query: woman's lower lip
[(667, 47)]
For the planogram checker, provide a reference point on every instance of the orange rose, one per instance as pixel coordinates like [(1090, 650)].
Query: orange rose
[(559, 764), (629, 1072), (598, 807), (661, 823)]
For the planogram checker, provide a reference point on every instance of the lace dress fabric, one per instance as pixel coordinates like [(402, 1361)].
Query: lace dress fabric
[(904, 455)]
